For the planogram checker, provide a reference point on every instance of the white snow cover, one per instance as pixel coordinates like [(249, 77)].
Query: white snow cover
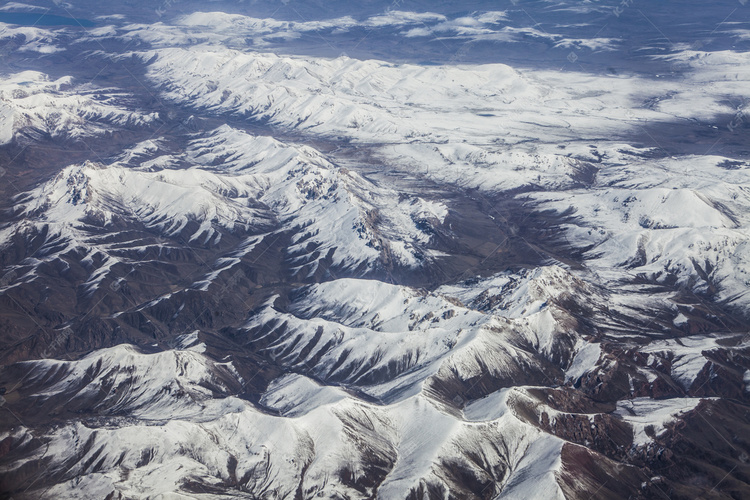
[(18, 7), (685, 216), (239, 30), (184, 420), (373, 101), (489, 127), (24, 39), (189, 434), (686, 356), (586, 358), (646, 412), (233, 182), (388, 339), (147, 386), (369, 328), (31, 103)]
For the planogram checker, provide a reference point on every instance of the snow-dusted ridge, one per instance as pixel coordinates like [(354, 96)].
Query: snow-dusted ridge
[(231, 307), (681, 217), (34, 106), (194, 433), (229, 181), (387, 340)]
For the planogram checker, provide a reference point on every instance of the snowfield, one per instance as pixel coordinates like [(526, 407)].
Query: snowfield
[(285, 275)]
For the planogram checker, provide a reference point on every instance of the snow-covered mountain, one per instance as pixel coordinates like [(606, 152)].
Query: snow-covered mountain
[(384, 250), (33, 106)]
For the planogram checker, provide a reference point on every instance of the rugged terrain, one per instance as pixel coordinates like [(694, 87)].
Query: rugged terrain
[(391, 250)]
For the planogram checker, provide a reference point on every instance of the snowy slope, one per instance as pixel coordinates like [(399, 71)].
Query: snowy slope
[(387, 340), (311, 277), (227, 181), (35, 106), (224, 441), (682, 217)]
